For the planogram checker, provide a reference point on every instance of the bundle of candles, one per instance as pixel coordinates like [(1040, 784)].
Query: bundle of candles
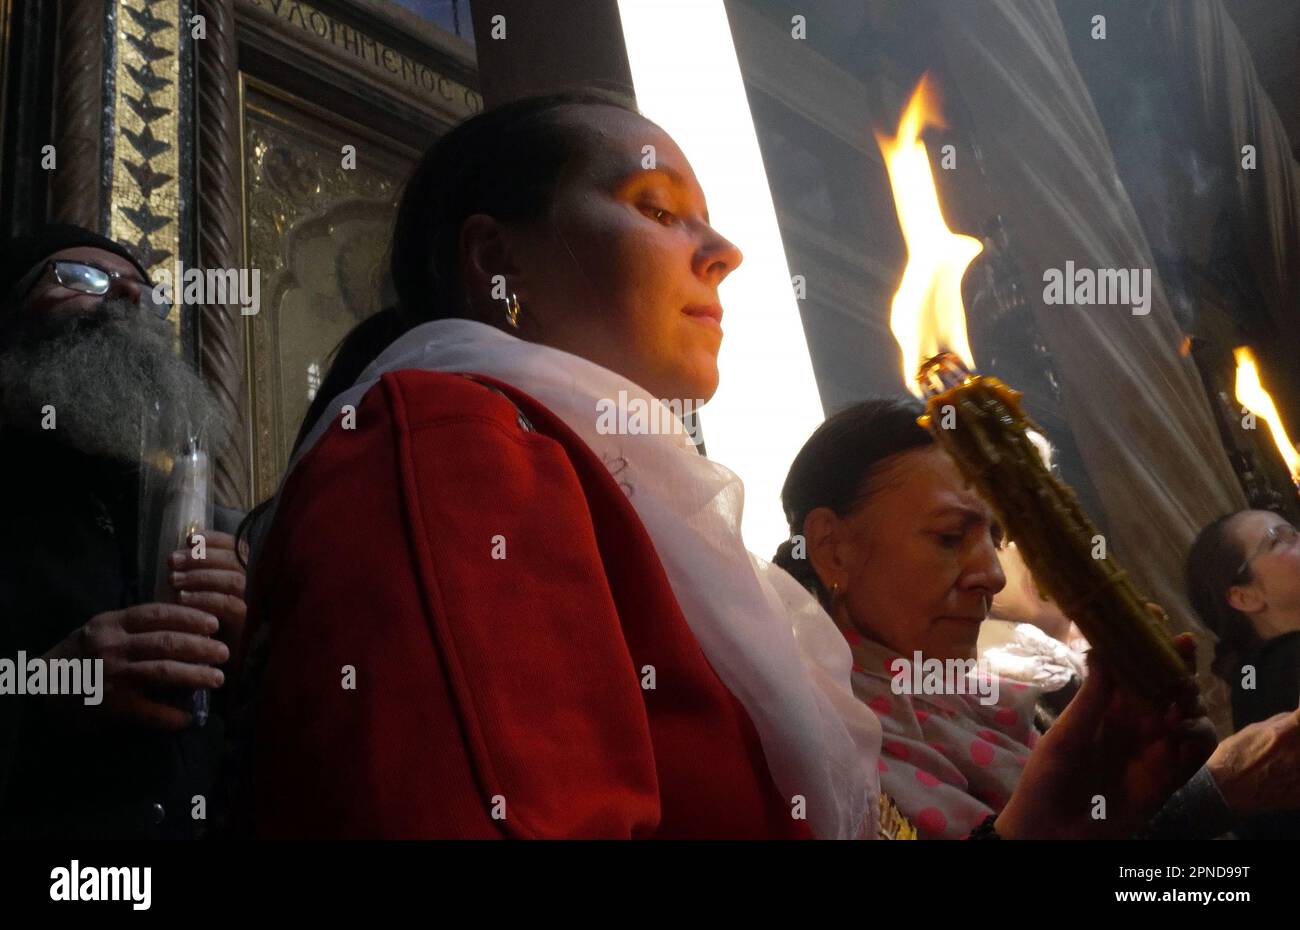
[(979, 422)]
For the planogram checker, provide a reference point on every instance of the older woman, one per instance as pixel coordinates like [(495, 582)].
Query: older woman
[(906, 563), (904, 556)]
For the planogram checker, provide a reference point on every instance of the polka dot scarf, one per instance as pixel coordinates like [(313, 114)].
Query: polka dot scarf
[(948, 761)]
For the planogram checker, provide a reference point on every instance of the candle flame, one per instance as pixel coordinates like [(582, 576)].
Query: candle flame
[(926, 315), (1251, 394)]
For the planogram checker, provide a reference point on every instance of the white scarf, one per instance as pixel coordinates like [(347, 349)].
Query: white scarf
[(767, 638)]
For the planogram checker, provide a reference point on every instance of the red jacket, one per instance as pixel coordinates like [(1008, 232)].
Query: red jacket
[(494, 697)]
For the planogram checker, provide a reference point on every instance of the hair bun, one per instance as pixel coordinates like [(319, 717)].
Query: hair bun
[(798, 568)]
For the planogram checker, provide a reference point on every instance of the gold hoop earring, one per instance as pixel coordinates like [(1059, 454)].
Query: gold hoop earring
[(512, 310)]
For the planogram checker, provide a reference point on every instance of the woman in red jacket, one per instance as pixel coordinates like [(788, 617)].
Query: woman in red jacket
[(487, 615)]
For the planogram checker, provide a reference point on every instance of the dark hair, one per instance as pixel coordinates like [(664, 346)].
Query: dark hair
[(837, 465), (1213, 567), (505, 162)]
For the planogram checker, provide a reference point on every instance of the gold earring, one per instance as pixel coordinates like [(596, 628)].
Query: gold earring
[(835, 588), (512, 310)]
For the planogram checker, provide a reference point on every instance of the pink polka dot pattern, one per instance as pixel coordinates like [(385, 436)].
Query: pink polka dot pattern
[(948, 760), (931, 820), (896, 749)]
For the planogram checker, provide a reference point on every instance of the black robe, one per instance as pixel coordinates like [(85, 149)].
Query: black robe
[(68, 551)]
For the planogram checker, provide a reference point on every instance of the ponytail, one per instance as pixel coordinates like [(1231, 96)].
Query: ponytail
[(801, 570), (1211, 572)]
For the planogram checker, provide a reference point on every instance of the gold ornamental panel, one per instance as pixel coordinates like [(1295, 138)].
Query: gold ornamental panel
[(146, 140), (317, 227)]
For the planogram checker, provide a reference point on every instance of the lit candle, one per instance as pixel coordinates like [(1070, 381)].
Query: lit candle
[(1252, 396), (979, 422)]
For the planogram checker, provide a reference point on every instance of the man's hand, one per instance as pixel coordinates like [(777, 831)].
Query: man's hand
[(1258, 767), (145, 648), (1111, 745), (214, 583)]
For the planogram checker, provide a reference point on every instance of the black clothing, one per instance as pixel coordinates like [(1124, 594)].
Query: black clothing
[(1277, 681), (68, 551), (1277, 690)]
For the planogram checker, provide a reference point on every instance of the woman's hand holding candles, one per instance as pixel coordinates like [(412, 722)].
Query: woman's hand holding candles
[(1110, 762)]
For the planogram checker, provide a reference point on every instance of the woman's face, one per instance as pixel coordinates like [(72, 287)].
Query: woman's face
[(916, 563), (627, 273), (1271, 595)]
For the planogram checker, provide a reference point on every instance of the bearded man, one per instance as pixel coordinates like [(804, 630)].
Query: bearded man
[(91, 390)]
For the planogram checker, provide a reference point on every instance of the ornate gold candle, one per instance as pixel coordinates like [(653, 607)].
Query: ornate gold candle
[(979, 422)]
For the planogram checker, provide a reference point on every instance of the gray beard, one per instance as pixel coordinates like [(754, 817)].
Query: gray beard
[(116, 386)]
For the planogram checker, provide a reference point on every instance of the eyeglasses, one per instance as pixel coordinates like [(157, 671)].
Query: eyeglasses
[(1283, 534), (89, 278)]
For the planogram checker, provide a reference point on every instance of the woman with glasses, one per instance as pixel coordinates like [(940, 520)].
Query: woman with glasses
[(1243, 578)]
